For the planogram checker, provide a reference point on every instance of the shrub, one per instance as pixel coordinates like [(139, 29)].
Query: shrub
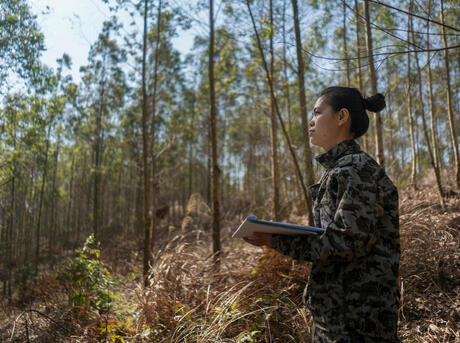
[(86, 281)]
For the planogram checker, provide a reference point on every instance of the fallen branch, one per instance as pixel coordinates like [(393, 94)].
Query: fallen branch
[(41, 314)]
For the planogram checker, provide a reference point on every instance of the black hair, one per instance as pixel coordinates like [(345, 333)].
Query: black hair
[(351, 99)]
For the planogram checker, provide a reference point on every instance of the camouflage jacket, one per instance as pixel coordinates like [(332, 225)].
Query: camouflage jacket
[(353, 284)]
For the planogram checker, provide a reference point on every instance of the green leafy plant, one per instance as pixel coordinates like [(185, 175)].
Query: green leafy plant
[(86, 281)]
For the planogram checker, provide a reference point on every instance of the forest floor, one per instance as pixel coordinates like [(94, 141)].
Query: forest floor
[(254, 296)]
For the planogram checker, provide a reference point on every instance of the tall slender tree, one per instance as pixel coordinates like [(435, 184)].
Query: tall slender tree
[(450, 114), (153, 128), (373, 74), (345, 45), (409, 105), (145, 152), (274, 126), (303, 109), (214, 158), (426, 133), (281, 121), (434, 138), (358, 57)]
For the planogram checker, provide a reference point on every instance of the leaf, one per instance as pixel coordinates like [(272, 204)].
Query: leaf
[(285, 276)]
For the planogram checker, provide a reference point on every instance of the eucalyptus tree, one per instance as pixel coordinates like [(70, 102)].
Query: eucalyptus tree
[(409, 103), (11, 113), (22, 148), (152, 149), (373, 76), (166, 82), (420, 106), (53, 104), (450, 114), (213, 128), (103, 90), (360, 83), (303, 109), (21, 41)]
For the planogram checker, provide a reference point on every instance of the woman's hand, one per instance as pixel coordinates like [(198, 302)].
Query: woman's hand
[(259, 238)]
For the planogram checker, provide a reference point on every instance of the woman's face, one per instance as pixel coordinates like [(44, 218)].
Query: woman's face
[(327, 127)]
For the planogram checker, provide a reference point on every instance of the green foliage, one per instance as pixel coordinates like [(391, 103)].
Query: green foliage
[(21, 41), (86, 281), (116, 331)]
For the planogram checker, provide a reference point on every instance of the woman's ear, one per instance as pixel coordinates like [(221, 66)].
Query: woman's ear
[(344, 116)]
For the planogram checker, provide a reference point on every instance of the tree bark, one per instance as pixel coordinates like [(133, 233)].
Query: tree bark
[(274, 128), (11, 218), (360, 76), (450, 112), (345, 47), (153, 130), (377, 117), (409, 106), (303, 111), (145, 154), (215, 167), (53, 226), (98, 158), (40, 206), (432, 149)]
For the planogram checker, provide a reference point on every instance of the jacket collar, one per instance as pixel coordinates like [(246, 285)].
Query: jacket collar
[(329, 158)]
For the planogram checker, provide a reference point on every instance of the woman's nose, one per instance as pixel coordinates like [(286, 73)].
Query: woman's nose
[(312, 122)]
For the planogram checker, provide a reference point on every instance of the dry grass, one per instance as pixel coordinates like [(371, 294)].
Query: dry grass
[(430, 265), (255, 295)]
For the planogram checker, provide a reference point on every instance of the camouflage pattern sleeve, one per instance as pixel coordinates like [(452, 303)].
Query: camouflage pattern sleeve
[(348, 210)]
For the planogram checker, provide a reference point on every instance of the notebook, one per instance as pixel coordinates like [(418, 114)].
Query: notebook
[(252, 224)]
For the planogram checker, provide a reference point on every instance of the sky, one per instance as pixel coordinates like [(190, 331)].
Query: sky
[(71, 26)]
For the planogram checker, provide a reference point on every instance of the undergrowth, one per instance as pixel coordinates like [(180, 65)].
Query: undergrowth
[(253, 296)]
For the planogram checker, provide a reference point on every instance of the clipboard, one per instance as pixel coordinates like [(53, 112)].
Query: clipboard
[(251, 224)]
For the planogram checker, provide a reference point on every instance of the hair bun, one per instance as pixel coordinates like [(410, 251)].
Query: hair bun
[(374, 103)]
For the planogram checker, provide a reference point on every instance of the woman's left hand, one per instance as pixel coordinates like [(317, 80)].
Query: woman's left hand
[(259, 238)]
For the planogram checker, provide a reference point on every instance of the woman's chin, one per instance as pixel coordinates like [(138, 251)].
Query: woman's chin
[(313, 141)]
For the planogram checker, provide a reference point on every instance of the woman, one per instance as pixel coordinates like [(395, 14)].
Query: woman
[(353, 290)]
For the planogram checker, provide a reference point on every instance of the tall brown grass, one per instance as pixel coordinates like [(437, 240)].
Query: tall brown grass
[(255, 296)]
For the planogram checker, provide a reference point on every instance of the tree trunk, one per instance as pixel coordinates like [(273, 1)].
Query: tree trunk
[(377, 117), (97, 163), (306, 193), (145, 154), (11, 220), (190, 158), (345, 48), (71, 197), (450, 112), (40, 206), (431, 150), (153, 131), (360, 76), (274, 128), (409, 106), (286, 78), (303, 112), (215, 167), (209, 166), (432, 109), (53, 226)]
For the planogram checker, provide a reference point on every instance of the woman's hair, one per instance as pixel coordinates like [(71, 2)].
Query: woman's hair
[(351, 99)]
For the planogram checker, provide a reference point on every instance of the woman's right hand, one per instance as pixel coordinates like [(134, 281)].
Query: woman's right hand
[(259, 239)]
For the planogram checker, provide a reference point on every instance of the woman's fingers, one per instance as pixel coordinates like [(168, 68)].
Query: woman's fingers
[(259, 239)]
